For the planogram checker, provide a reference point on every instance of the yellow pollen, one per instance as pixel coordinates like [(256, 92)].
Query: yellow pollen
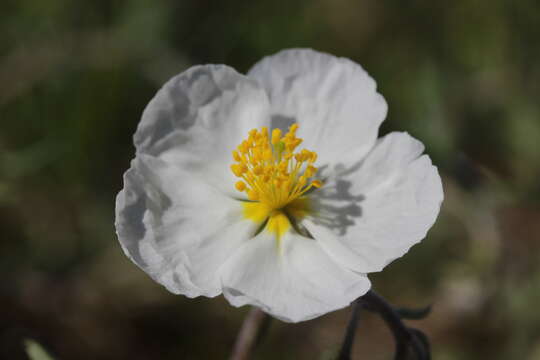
[(271, 172), (276, 136), (240, 185)]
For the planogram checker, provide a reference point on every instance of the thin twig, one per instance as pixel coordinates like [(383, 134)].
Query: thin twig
[(247, 336), (375, 302), (346, 348), (405, 337)]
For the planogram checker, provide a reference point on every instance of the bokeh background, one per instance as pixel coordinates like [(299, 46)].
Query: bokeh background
[(462, 76)]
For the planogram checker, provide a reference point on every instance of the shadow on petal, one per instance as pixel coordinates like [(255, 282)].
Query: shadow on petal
[(282, 122), (337, 207)]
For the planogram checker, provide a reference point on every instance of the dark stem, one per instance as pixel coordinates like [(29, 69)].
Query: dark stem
[(250, 333), (406, 338), (374, 302), (346, 348)]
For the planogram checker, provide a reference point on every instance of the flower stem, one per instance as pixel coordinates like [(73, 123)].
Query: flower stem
[(253, 327), (406, 338), (346, 348)]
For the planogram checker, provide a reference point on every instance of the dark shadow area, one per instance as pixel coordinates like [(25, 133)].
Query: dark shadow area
[(337, 207), (282, 122)]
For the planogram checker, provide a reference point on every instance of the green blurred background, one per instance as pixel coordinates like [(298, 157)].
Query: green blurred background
[(461, 76)]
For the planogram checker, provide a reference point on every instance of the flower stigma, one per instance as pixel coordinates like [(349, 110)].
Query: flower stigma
[(274, 177)]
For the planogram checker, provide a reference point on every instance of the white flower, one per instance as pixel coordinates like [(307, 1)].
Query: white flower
[(295, 239)]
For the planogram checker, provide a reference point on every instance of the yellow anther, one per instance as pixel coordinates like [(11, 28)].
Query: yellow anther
[(258, 170), (257, 154), (293, 128), (299, 157), (276, 136), (236, 156), (244, 147), (238, 169), (317, 183), (310, 171), (240, 186)]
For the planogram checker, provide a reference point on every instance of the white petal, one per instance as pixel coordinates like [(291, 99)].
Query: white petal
[(372, 212), (199, 116), (135, 225), (333, 100), (166, 218), (294, 281)]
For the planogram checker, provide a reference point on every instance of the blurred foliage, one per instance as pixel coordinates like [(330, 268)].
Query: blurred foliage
[(35, 351), (461, 76)]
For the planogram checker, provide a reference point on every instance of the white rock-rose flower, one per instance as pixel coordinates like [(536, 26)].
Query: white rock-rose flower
[(272, 187)]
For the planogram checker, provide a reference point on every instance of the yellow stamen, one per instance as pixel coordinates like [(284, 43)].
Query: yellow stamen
[(253, 194), (275, 177), (238, 169), (240, 185), (276, 136)]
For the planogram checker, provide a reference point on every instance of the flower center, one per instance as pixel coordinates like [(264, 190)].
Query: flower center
[(274, 176), (272, 172)]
